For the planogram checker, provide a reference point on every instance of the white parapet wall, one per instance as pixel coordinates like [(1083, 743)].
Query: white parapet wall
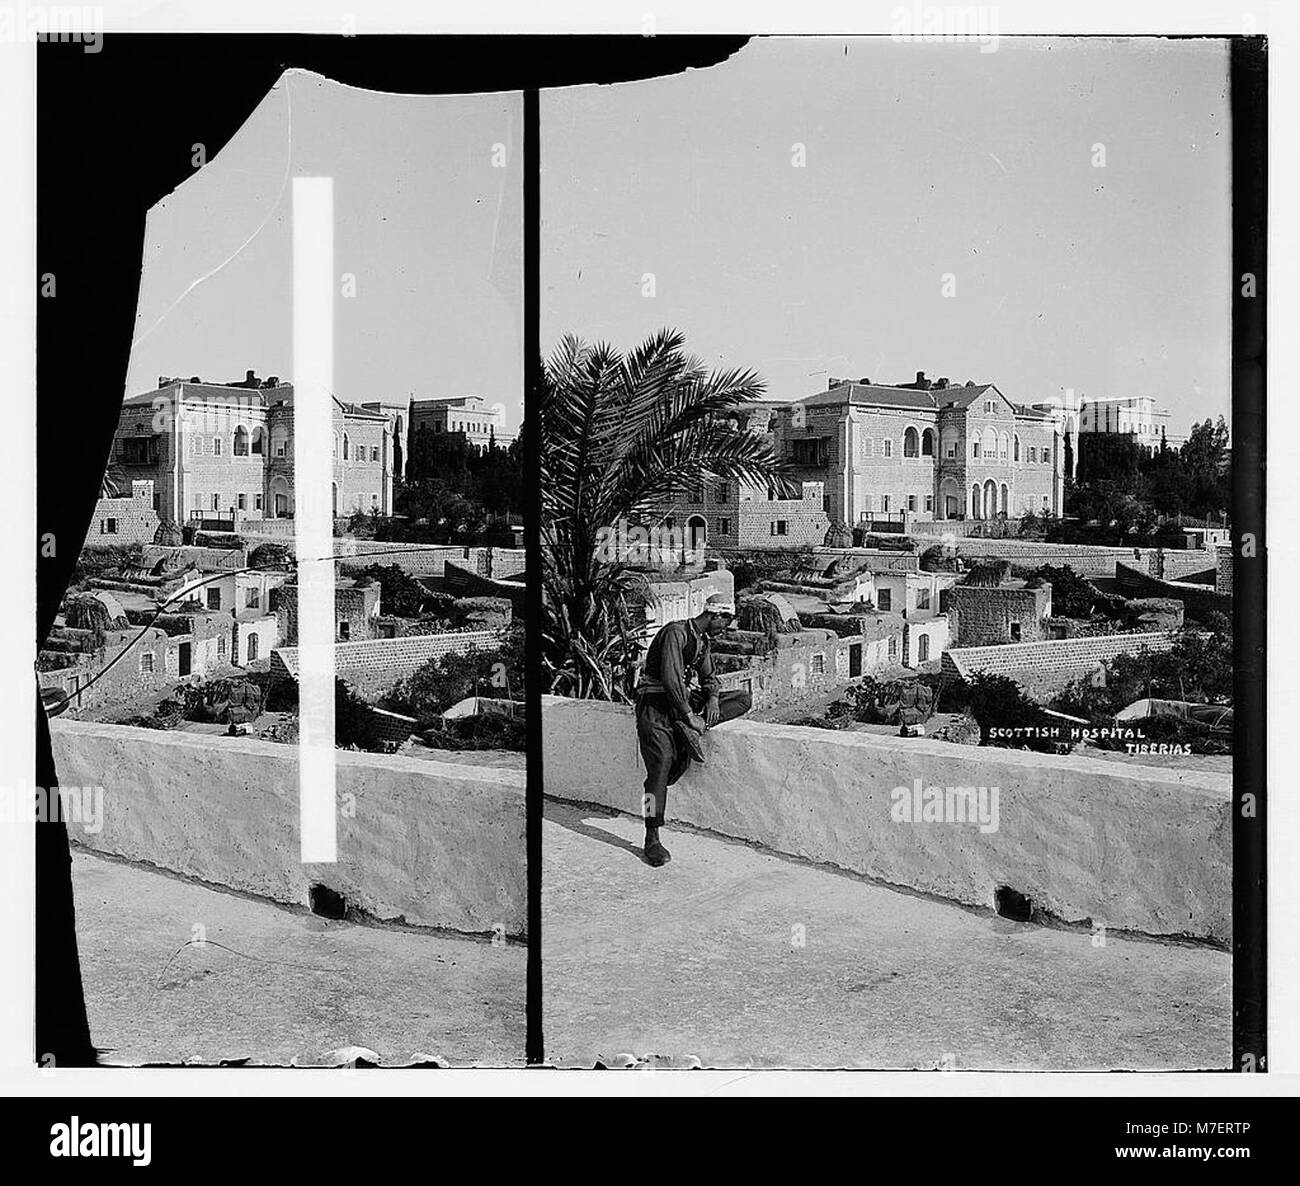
[(1134, 848), (429, 843)]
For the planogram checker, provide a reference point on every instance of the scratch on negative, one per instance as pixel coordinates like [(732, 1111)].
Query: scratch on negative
[(284, 183)]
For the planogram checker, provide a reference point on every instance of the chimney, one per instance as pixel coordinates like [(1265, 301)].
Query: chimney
[(250, 379), (941, 384), (922, 383), (273, 381)]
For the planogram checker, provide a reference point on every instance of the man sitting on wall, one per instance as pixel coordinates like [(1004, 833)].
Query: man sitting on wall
[(672, 715)]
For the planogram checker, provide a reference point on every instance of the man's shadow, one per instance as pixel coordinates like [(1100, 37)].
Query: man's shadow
[(573, 817)]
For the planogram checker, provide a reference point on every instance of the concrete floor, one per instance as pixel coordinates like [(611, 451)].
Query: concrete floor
[(302, 986), (697, 961)]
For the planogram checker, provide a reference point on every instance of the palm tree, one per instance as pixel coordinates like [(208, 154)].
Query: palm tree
[(112, 482), (619, 435)]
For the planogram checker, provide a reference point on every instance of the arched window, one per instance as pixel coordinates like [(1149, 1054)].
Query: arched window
[(911, 445), (241, 441), (975, 510), (1015, 449), (258, 436), (927, 443), (1006, 500), (345, 446), (1004, 446), (989, 445)]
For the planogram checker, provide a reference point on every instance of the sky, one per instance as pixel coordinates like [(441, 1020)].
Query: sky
[(427, 223), (923, 163)]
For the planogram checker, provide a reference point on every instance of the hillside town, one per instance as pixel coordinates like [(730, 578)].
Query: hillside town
[(922, 552), (183, 613)]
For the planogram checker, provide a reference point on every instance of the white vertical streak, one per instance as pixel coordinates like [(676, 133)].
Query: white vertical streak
[(313, 435), (19, 283)]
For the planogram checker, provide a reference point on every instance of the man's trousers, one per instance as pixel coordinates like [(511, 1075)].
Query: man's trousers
[(662, 749)]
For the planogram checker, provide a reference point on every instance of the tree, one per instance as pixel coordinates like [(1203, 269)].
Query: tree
[(1205, 459), (1072, 595), (112, 482), (496, 672), (1198, 668), (399, 592), (618, 434)]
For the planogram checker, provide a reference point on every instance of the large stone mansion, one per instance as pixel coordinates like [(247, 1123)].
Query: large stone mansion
[(225, 451), (869, 454), (926, 449)]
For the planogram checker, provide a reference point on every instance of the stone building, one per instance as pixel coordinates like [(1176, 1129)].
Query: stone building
[(224, 451), (356, 610), (677, 596), (926, 450), (739, 515), (472, 416), (983, 615), (131, 519), (1133, 416)]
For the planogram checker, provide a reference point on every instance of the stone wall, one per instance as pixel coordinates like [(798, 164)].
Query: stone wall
[(426, 843), (428, 560), (780, 522), (1223, 569), (149, 666), (1045, 668), (506, 562), (374, 666), (985, 615), (1131, 847), (875, 559), (357, 607), (461, 582), (123, 520), (1086, 559), (1199, 601), (207, 559)]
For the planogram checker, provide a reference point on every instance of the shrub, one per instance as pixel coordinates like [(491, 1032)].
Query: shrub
[(937, 558), (428, 692), (399, 592), (478, 732), (355, 726), (999, 703)]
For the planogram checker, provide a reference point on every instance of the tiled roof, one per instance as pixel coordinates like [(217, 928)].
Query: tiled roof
[(963, 397), (882, 395), (879, 395)]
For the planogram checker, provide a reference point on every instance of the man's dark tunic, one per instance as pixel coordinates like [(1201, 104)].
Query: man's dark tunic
[(676, 680)]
